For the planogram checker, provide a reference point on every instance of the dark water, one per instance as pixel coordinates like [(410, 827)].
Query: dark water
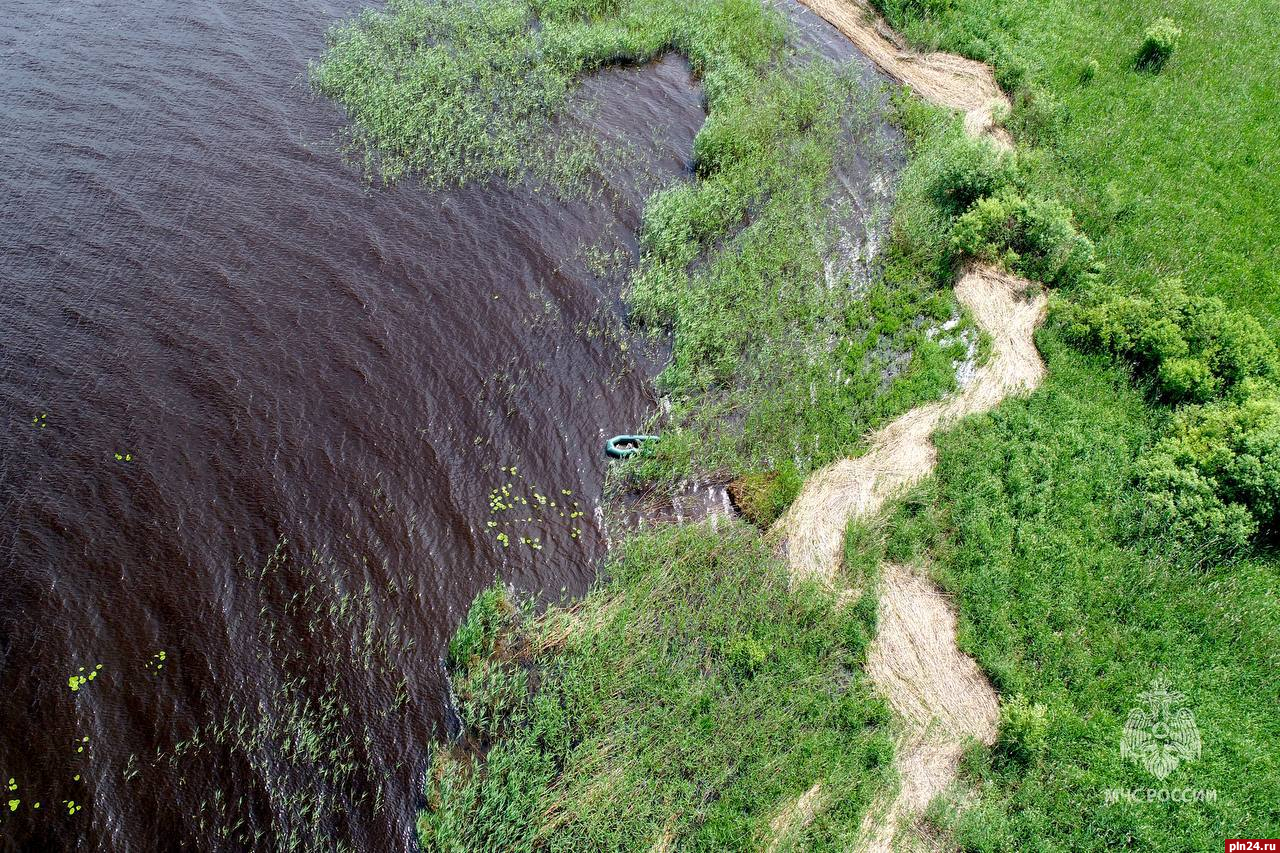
[(254, 412)]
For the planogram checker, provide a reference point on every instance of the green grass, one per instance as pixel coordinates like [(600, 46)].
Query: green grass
[(1036, 530), (454, 92), (1173, 174), (1038, 522), (695, 694)]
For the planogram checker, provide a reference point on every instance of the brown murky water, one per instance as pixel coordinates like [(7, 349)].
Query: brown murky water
[(254, 412)]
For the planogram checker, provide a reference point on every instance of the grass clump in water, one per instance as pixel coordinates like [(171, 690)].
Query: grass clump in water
[(452, 92), (777, 358), (762, 496), (686, 699)]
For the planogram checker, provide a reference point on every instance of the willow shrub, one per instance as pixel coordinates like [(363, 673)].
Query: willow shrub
[(1194, 347), (1032, 236), (1212, 479), (1215, 476), (969, 169)]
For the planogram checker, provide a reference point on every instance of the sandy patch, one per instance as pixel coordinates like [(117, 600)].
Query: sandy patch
[(945, 79)]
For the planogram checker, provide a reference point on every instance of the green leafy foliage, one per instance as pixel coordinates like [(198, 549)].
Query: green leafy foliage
[(762, 496), (1032, 236), (969, 169), (1214, 479), (685, 698), (1158, 43), (1193, 347), (1024, 729), (1037, 508)]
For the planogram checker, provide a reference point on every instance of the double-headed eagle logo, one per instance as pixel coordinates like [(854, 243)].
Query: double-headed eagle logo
[(1162, 735)]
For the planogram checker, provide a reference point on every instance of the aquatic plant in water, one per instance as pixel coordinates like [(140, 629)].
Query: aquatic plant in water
[(521, 509)]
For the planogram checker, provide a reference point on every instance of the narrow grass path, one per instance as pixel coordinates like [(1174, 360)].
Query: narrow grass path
[(939, 693)]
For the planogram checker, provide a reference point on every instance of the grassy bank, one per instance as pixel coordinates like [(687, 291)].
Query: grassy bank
[(1172, 170), (688, 699), (1035, 525), (1090, 543)]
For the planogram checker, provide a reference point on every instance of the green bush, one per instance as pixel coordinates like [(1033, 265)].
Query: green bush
[(1157, 44), (1088, 70), (969, 169), (745, 656), (1215, 477), (1032, 236), (1024, 729), (1192, 346), (1012, 72)]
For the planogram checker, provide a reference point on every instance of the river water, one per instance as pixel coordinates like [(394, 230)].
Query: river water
[(255, 411)]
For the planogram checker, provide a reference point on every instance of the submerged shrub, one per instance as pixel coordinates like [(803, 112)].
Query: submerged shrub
[(1157, 44), (1032, 236), (477, 635), (763, 496)]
